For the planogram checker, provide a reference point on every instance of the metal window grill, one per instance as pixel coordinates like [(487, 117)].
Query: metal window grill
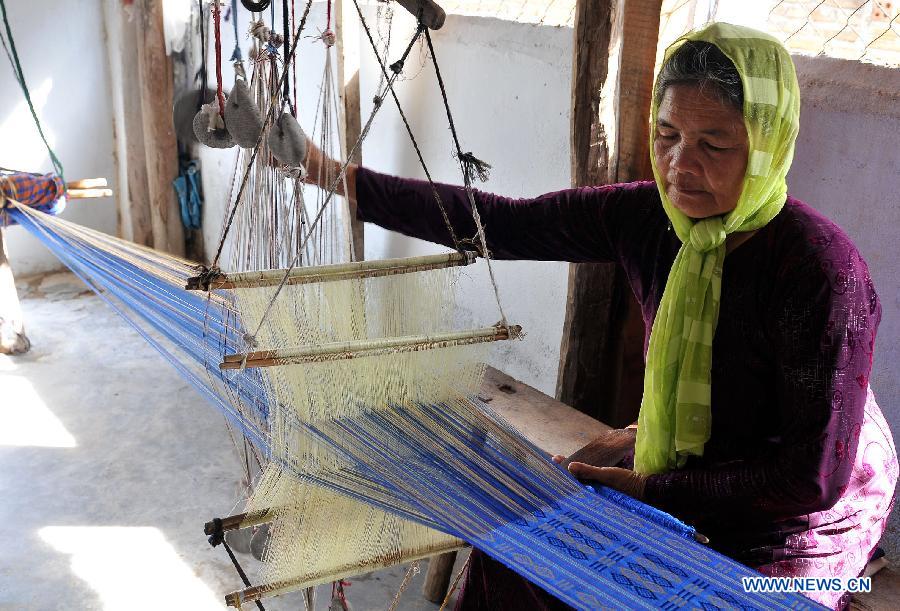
[(863, 30)]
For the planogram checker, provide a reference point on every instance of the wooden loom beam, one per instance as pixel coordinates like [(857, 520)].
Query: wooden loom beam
[(601, 353), (151, 148), (335, 351), (211, 280)]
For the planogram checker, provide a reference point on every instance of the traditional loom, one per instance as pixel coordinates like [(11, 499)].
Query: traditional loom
[(359, 397)]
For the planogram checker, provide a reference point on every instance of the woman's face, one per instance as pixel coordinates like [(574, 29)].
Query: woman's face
[(701, 151)]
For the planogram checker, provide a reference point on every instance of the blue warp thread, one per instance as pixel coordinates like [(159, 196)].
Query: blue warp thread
[(590, 549)]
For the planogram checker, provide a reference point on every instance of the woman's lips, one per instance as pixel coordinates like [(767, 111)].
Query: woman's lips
[(686, 191)]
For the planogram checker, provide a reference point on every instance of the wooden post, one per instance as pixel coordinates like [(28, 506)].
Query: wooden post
[(347, 36), (133, 192), (12, 329), (614, 54), (437, 577), (158, 130)]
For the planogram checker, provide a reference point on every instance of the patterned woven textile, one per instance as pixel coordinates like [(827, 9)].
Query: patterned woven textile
[(46, 192)]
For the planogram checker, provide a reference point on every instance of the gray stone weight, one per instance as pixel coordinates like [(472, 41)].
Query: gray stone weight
[(260, 541), (217, 138), (242, 118), (186, 106), (287, 141)]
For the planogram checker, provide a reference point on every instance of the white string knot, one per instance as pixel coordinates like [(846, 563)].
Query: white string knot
[(329, 38), (250, 340), (215, 119), (261, 32), (293, 172)]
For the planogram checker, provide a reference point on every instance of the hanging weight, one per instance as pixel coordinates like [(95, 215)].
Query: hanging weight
[(256, 7)]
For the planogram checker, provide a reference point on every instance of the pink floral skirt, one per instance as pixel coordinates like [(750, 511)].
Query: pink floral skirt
[(844, 537)]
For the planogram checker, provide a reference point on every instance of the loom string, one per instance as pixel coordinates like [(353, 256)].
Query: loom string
[(95, 276), (13, 55), (269, 116), (236, 53), (202, 73), (378, 101), (217, 37), (288, 58), (332, 189), (396, 68), (469, 166), (294, 61)]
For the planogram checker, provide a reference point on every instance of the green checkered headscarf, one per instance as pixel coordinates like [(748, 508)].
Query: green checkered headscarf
[(675, 420)]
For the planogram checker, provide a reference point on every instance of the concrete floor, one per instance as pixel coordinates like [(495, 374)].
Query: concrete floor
[(109, 466)]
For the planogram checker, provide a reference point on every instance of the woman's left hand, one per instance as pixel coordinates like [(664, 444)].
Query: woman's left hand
[(623, 480)]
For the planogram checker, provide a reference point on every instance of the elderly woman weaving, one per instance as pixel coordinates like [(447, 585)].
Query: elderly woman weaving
[(757, 424)]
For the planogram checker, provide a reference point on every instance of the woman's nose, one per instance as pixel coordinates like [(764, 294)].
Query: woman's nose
[(685, 159)]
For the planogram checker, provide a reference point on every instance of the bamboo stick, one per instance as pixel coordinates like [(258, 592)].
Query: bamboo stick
[(88, 193), (87, 183), (254, 593), (330, 273), (334, 351), (238, 521)]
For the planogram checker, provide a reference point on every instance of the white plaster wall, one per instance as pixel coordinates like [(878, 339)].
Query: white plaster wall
[(62, 49)]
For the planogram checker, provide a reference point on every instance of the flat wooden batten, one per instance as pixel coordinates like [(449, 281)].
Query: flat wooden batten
[(254, 593), (88, 193), (212, 281), (334, 351)]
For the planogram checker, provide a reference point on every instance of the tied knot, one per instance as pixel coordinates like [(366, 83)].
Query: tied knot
[(215, 121), (297, 172), (707, 234)]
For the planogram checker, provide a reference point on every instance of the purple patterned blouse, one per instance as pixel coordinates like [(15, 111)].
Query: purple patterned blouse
[(791, 356)]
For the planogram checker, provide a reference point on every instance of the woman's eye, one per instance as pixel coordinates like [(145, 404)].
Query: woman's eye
[(713, 147), (666, 135)]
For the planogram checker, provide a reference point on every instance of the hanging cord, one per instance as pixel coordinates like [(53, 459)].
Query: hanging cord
[(288, 57), (396, 67), (471, 167), (247, 171), (236, 54), (413, 570), (294, 62), (218, 537), (332, 189), (217, 33), (202, 73), (13, 56)]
